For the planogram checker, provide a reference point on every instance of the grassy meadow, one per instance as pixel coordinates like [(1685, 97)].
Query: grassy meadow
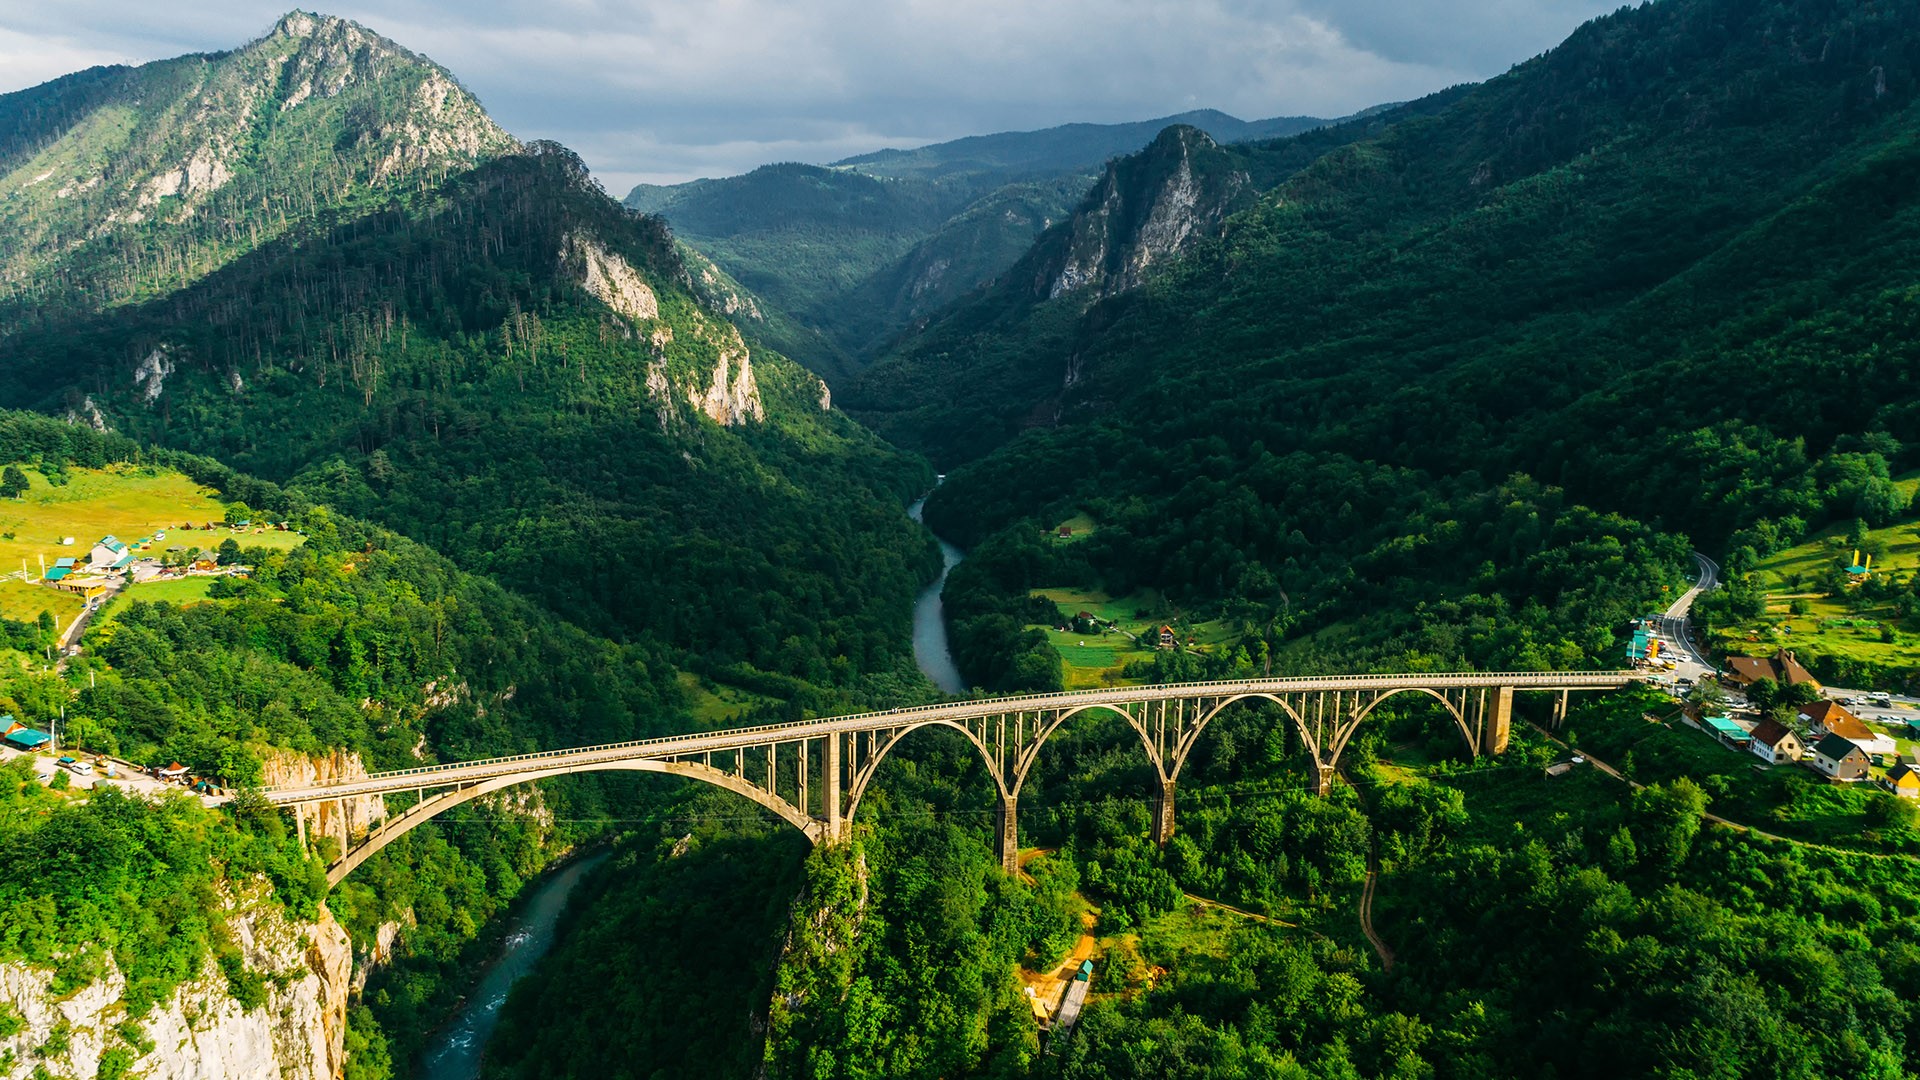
[(127, 501)]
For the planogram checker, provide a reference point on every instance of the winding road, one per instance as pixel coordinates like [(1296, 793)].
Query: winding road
[(1673, 626)]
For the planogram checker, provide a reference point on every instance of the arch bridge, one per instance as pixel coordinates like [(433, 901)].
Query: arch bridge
[(813, 774)]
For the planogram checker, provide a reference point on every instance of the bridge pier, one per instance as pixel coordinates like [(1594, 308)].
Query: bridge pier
[(1322, 778), (830, 791), (1163, 813), (1006, 821), (1497, 721)]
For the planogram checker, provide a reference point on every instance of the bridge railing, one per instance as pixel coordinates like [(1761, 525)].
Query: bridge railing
[(796, 731)]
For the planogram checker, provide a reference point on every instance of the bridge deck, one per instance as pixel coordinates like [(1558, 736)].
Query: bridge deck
[(681, 746)]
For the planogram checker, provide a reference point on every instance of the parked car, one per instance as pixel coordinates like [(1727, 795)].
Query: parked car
[(82, 768)]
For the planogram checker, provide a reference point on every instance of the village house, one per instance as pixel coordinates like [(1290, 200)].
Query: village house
[(1774, 742), (1838, 758), (1833, 718), (1167, 638), (86, 587), (1903, 781), (1781, 668), (20, 736), (109, 554)]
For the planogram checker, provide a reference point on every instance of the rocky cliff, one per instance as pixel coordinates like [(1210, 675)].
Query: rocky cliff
[(344, 820), (289, 1023), (1146, 209)]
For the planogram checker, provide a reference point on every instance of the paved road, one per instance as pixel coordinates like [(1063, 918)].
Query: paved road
[(79, 623), (1674, 631)]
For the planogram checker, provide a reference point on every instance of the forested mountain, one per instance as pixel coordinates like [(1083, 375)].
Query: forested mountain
[(118, 184), (855, 252), (514, 369), (1649, 230)]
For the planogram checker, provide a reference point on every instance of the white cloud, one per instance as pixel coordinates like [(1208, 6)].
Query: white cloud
[(31, 59), (670, 89)]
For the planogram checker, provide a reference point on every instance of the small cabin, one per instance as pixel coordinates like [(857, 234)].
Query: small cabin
[(1903, 781)]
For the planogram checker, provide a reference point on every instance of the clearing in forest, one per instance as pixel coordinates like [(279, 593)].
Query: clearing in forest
[(1809, 609), (126, 501)]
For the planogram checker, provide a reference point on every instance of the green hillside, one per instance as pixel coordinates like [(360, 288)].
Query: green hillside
[(859, 251), (119, 184)]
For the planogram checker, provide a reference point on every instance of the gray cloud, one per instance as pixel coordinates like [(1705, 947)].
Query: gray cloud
[(665, 90)]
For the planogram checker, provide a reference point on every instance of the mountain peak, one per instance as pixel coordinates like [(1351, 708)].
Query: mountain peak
[(1147, 208), (202, 143), (299, 24)]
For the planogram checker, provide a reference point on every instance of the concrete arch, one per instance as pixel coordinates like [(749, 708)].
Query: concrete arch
[(1193, 735), (857, 786), (1032, 753), (1459, 717), (406, 822)]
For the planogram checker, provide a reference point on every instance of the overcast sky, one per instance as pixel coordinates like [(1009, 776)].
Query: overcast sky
[(667, 90)]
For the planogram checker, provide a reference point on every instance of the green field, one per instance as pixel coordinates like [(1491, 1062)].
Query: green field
[(127, 501), (716, 704), (1826, 624), (1096, 659), (24, 602), (1082, 526)]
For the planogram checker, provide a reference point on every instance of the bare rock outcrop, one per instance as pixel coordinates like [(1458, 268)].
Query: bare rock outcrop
[(201, 1032), (345, 820)]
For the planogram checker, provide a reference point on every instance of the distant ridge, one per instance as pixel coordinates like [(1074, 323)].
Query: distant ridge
[(1066, 146), (842, 258)]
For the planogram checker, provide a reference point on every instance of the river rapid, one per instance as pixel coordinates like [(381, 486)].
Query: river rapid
[(460, 1045)]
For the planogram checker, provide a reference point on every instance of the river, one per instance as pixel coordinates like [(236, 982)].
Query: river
[(458, 1047), (931, 649)]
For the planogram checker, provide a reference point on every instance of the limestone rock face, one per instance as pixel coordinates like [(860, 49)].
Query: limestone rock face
[(1145, 210), (202, 1032), (345, 820), (731, 397), (609, 277)]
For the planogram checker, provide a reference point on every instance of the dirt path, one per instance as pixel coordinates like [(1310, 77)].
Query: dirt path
[(1050, 987), (1366, 918), (1739, 826), (1221, 905)]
